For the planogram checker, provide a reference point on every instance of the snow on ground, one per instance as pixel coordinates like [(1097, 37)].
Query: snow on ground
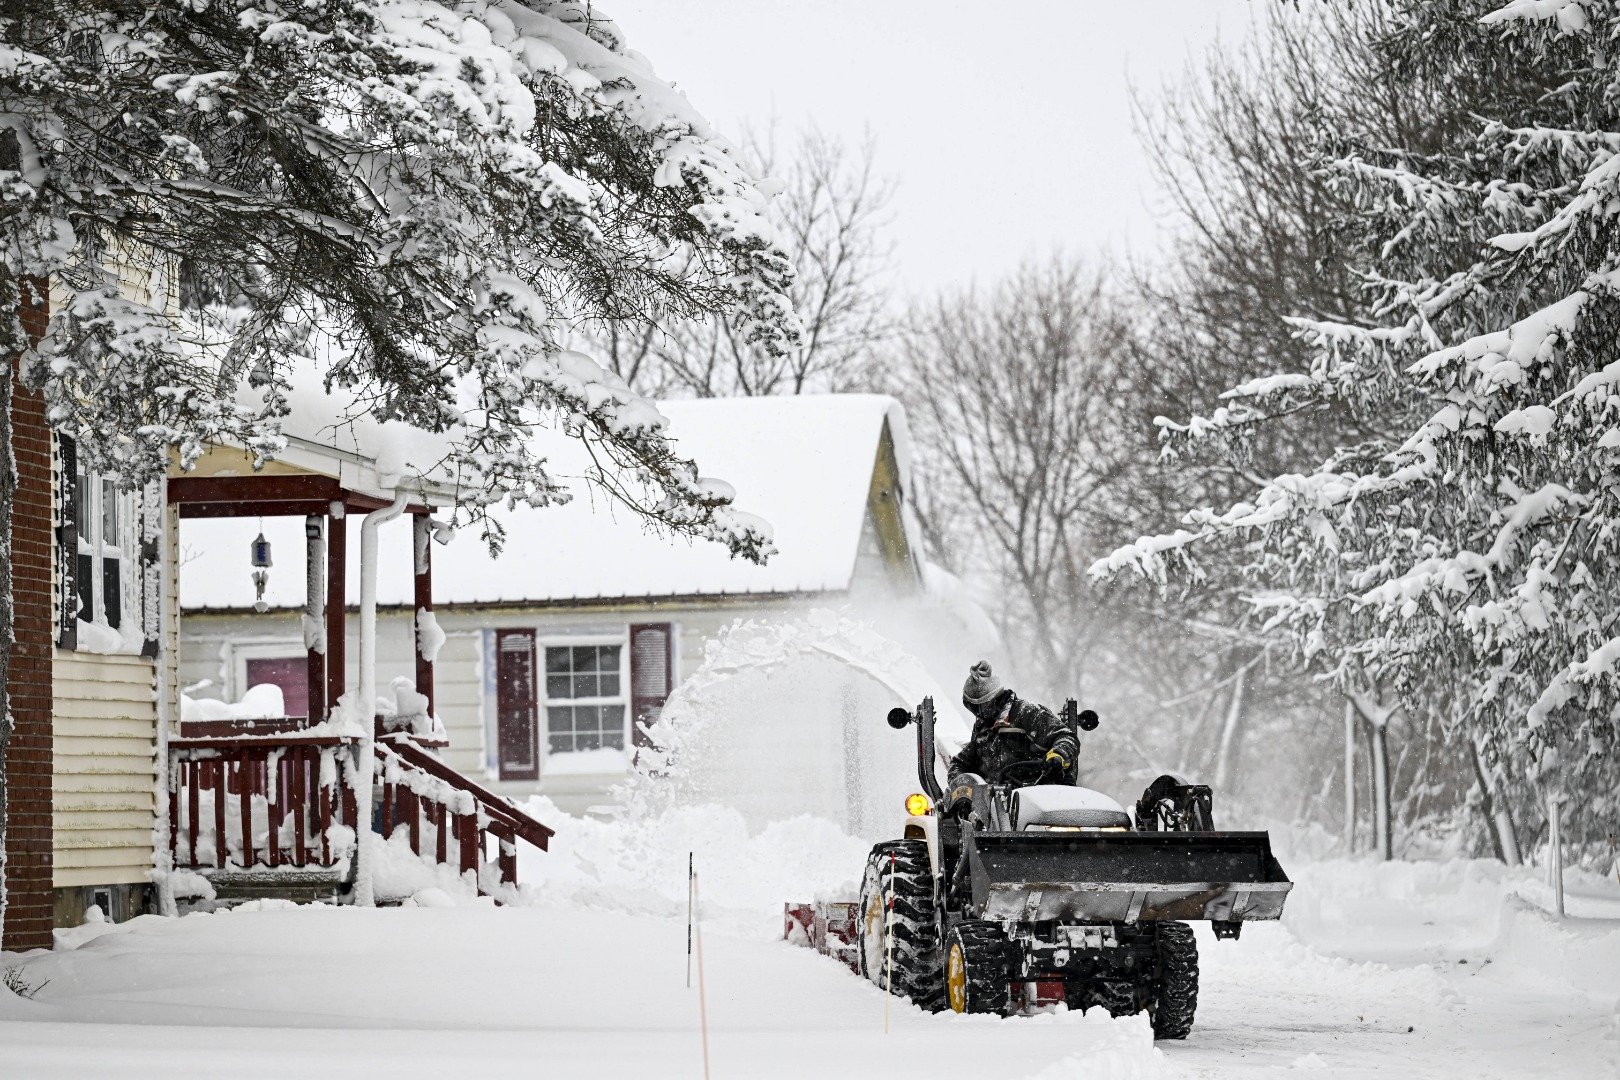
[(1403, 970), (1414, 970), (449, 992)]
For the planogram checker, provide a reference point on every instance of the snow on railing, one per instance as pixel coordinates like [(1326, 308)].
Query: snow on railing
[(260, 805), (262, 802), (433, 804)]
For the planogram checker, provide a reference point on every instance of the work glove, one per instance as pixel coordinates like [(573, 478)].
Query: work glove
[(1057, 756)]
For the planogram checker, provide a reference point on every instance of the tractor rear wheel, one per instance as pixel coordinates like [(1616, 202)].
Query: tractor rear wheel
[(899, 923), (1175, 997), (980, 965)]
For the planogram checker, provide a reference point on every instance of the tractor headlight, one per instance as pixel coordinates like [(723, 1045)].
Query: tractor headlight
[(918, 805)]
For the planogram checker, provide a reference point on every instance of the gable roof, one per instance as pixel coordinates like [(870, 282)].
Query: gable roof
[(803, 463)]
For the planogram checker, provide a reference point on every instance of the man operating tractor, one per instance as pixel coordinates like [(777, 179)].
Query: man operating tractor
[(1007, 731)]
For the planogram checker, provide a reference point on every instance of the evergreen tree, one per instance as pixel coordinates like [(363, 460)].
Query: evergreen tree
[(423, 196), (1469, 561)]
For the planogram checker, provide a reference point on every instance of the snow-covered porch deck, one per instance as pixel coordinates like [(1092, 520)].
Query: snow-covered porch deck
[(277, 805)]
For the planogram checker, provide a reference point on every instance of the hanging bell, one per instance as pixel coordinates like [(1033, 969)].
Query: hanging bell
[(261, 576)]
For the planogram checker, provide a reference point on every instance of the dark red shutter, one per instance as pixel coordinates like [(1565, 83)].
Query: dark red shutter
[(67, 543), (148, 532), (515, 705), (652, 674)]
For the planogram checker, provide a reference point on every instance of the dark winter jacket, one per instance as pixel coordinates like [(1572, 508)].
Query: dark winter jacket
[(1025, 732)]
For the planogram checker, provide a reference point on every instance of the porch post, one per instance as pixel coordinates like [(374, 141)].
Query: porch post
[(337, 545), (364, 892), (315, 629), (422, 552)]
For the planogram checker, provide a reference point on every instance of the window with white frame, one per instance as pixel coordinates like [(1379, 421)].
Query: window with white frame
[(107, 578), (586, 702)]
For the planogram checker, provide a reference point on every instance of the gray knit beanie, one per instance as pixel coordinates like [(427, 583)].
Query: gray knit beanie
[(981, 685)]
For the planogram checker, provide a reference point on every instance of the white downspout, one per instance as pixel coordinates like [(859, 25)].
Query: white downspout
[(168, 643), (364, 895)]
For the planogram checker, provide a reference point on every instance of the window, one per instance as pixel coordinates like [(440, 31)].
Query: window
[(107, 578), (585, 701)]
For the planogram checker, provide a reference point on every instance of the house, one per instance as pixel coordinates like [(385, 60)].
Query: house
[(85, 681), (117, 800), (277, 802), (584, 624)]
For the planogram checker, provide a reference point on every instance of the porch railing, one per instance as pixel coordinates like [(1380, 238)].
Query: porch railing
[(433, 804), (258, 804), (261, 802)]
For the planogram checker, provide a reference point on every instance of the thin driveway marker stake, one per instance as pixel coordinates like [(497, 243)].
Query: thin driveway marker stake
[(888, 948), (703, 1005), (690, 885)]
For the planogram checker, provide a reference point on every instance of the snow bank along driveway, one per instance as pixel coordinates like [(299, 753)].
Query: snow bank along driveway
[(454, 992), (1410, 971)]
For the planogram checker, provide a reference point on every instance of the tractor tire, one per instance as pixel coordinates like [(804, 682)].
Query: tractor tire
[(1118, 997), (1175, 997), (980, 966), (899, 882)]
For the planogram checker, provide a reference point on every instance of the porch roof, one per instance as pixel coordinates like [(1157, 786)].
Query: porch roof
[(803, 463)]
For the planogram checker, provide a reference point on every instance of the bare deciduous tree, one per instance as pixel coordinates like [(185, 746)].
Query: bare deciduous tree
[(1014, 396), (831, 215)]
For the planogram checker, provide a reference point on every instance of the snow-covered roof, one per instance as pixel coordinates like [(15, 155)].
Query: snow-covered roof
[(803, 463)]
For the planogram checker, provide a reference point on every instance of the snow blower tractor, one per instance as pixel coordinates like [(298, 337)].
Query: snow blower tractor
[(1003, 897)]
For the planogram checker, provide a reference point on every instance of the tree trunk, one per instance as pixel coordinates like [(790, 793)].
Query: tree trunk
[(1498, 815), (1555, 847), (1229, 730), (1555, 834), (1349, 777), (1383, 829), (1377, 717)]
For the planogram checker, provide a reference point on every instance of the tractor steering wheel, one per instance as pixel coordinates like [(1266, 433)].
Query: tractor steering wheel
[(1026, 773)]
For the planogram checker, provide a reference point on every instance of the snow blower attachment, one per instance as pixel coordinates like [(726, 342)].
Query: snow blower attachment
[(1012, 895)]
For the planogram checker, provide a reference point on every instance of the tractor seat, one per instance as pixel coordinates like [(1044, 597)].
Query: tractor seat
[(1050, 806)]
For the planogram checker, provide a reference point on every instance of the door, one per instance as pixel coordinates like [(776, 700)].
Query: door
[(290, 673), (515, 712)]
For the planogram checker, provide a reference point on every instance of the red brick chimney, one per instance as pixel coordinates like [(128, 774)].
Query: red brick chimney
[(28, 759)]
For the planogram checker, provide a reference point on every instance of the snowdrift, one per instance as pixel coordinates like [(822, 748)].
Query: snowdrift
[(1465, 911), (786, 718)]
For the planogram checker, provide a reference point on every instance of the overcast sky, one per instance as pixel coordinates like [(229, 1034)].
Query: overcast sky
[(1008, 126)]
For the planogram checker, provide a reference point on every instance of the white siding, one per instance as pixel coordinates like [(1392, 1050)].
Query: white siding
[(872, 576), (209, 644), (104, 779)]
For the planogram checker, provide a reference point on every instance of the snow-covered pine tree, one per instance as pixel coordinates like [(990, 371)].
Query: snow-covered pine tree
[(424, 196), (436, 190), (1470, 563)]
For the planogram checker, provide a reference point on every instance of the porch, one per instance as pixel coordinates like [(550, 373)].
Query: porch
[(268, 803)]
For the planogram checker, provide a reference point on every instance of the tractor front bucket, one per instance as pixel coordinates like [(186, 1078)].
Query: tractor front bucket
[(1224, 877)]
